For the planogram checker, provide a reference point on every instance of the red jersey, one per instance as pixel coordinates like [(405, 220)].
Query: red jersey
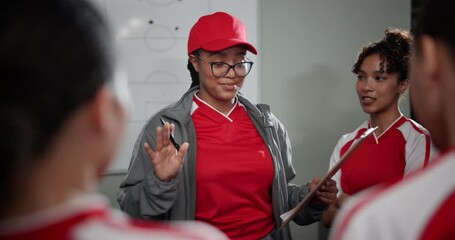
[(90, 217), (402, 148), (234, 173), (420, 207)]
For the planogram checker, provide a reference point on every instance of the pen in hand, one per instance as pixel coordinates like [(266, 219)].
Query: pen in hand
[(176, 145)]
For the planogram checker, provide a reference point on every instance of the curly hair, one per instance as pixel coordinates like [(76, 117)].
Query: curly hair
[(394, 50)]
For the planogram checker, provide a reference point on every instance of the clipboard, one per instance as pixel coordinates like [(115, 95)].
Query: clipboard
[(289, 215)]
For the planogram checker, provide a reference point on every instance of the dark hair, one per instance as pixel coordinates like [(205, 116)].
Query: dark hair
[(194, 74), (438, 21), (394, 48), (54, 56)]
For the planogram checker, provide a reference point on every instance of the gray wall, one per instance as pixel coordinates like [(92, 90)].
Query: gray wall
[(307, 50)]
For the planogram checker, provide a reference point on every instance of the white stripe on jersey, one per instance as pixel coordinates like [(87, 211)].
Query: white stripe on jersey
[(400, 212), (97, 229)]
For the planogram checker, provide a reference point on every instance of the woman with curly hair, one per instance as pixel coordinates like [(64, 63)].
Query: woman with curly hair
[(399, 145)]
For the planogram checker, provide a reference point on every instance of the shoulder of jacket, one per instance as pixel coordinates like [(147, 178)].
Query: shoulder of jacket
[(264, 108)]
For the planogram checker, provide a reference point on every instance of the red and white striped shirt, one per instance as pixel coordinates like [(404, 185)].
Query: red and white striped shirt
[(89, 217), (404, 147), (420, 207)]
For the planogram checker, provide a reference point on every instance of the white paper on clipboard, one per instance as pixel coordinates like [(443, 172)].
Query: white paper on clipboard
[(289, 215)]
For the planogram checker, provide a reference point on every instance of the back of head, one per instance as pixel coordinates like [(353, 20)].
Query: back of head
[(394, 48), (438, 21), (433, 88), (53, 59)]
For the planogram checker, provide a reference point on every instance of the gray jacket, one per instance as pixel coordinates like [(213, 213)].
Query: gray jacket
[(142, 195)]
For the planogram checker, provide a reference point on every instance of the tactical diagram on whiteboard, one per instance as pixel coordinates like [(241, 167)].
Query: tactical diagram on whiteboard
[(152, 38)]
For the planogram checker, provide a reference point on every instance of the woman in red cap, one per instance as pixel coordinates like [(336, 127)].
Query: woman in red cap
[(234, 166)]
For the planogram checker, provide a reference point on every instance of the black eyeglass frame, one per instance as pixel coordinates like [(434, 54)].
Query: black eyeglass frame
[(230, 66)]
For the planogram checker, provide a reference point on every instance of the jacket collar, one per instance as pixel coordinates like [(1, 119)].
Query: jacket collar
[(180, 110)]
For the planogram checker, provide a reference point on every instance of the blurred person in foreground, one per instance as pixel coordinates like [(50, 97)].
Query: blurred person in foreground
[(61, 120)]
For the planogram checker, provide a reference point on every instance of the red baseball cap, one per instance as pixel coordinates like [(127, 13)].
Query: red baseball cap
[(216, 32)]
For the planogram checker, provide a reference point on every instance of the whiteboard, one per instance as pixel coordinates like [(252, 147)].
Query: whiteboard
[(151, 38)]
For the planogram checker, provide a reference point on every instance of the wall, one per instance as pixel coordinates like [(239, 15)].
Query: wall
[(307, 50)]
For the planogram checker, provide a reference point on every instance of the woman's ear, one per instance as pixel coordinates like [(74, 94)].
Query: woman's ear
[(108, 114), (193, 60), (431, 59), (403, 86)]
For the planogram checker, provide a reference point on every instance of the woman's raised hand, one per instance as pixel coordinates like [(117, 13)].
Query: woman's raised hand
[(166, 160)]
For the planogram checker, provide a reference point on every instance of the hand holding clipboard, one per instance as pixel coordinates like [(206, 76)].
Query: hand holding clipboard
[(289, 215)]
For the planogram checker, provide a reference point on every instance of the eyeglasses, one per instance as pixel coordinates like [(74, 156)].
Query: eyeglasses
[(221, 69)]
